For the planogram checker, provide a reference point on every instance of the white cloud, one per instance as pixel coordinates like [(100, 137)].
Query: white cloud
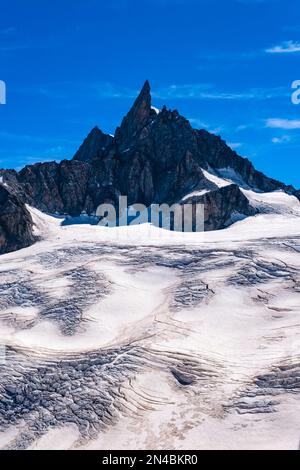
[(243, 127), (199, 124), (200, 91), (206, 91), (281, 140), (283, 123), (195, 90), (109, 90), (234, 145), (285, 48)]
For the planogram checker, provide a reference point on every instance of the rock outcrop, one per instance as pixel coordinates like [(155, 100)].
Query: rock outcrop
[(222, 206), (93, 146), (15, 222), (56, 187)]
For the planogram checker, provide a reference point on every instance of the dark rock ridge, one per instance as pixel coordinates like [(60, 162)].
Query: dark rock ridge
[(218, 156), (223, 206), (154, 157), (56, 187), (15, 222)]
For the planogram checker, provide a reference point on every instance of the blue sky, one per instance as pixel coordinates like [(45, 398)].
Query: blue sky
[(227, 65)]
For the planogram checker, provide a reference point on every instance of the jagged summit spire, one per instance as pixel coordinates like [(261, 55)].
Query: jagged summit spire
[(138, 116), (141, 108), (145, 91)]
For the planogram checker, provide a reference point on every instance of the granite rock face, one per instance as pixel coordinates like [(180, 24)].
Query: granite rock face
[(15, 222), (154, 157)]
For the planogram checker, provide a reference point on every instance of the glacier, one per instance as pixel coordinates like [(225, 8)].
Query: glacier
[(141, 338)]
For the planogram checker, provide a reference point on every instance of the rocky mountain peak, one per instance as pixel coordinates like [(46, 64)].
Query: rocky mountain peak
[(138, 116), (93, 146)]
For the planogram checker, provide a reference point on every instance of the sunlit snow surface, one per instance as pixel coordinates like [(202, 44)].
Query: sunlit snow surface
[(141, 338)]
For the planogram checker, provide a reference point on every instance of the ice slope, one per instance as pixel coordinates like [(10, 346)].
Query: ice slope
[(143, 338)]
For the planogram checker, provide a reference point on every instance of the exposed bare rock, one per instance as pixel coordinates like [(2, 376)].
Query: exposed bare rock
[(137, 117), (93, 146), (56, 187), (222, 206), (15, 222)]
